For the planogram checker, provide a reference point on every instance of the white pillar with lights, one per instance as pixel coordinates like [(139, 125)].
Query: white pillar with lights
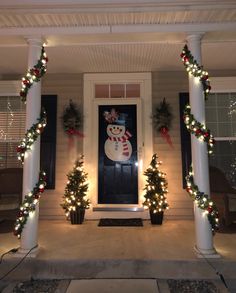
[(29, 237), (204, 238)]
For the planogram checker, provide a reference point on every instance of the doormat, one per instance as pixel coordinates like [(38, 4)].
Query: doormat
[(132, 222)]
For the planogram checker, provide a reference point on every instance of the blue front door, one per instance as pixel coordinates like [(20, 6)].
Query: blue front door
[(118, 171)]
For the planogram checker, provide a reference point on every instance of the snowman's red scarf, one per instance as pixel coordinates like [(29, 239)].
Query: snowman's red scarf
[(125, 137)]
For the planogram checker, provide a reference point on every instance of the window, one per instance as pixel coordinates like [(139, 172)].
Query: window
[(221, 120), (12, 129), (117, 90)]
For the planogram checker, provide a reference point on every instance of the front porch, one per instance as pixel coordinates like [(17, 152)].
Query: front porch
[(87, 251)]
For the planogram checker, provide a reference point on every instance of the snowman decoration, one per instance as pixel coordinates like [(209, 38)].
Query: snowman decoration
[(117, 146)]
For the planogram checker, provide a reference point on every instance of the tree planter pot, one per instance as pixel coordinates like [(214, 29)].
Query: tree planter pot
[(156, 219), (77, 217)]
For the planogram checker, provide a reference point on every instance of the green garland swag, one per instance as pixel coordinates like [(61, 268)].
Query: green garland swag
[(198, 129), (29, 204), (33, 75), (196, 70), (202, 133), (203, 202), (31, 136)]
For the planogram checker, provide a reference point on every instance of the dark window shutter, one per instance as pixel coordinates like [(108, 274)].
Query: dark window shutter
[(185, 138), (48, 140)]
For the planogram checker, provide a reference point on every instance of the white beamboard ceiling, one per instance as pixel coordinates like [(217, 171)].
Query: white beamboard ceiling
[(116, 36), (118, 58)]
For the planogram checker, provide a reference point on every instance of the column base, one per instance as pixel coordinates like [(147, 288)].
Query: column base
[(25, 252), (206, 253)]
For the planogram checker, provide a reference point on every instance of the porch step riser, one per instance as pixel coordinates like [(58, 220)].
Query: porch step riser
[(98, 269)]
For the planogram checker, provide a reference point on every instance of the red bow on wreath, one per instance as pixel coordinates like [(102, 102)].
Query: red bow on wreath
[(162, 119)]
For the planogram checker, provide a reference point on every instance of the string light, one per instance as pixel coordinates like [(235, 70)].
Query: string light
[(203, 202), (76, 189), (156, 187), (198, 129), (31, 136), (30, 201), (29, 204), (33, 75), (195, 69)]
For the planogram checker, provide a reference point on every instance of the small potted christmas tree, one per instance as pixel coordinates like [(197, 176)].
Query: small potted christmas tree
[(74, 202), (156, 190)]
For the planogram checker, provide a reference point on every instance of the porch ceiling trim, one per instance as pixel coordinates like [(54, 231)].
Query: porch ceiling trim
[(55, 6), (137, 28)]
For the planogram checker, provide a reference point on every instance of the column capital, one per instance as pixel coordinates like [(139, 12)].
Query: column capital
[(35, 40), (197, 36)]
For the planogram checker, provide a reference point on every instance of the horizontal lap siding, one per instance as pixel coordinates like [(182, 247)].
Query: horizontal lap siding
[(164, 84), (168, 85), (66, 87)]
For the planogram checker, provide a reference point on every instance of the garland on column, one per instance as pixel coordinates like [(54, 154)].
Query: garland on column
[(195, 69), (203, 134), (198, 129), (203, 202), (29, 204), (31, 136), (33, 75), (31, 199)]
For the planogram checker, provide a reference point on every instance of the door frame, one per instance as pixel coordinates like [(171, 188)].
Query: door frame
[(144, 131)]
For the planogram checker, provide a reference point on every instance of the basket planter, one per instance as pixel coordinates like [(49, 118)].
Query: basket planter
[(77, 217), (157, 218)]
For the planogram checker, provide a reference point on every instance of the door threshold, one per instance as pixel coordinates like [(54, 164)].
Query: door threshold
[(118, 208)]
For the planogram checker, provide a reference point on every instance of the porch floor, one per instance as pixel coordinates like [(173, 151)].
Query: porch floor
[(88, 251)]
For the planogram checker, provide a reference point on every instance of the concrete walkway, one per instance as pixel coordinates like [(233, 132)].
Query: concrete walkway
[(117, 286), (150, 252)]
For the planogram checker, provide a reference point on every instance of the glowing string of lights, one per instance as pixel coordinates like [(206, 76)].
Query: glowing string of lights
[(195, 69), (198, 129), (203, 134), (30, 201), (202, 201), (29, 204)]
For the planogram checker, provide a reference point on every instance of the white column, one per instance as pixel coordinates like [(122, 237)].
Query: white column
[(29, 237), (204, 238)]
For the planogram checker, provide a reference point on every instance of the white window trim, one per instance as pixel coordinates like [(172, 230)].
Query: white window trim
[(223, 84), (90, 141), (10, 87)]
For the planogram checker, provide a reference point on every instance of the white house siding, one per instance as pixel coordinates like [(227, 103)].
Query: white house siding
[(164, 84), (66, 87), (169, 85)]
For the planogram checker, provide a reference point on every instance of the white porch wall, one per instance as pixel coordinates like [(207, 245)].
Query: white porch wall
[(169, 85), (164, 84), (66, 87)]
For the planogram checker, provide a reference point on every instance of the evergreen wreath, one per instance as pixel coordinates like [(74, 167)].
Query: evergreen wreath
[(72, 119), (162, 117), (162, 120)]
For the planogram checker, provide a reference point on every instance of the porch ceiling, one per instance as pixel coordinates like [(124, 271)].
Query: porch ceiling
[(116, 36), (118, 57)]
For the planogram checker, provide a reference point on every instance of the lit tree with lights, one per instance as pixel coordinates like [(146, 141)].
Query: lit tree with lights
[(155, 188), (76, 189)]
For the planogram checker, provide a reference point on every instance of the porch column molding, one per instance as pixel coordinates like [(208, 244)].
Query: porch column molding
[(29, 237), (204, 239)]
